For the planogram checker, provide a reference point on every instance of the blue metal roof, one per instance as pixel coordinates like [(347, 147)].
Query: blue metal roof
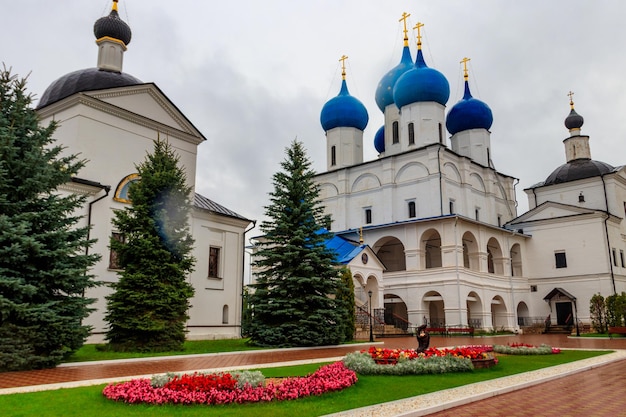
[(345, 249)]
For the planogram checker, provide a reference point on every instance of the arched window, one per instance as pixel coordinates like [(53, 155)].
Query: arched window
[(121, 192), (333, 155), (225, 314), (411, 134), (368, 216), (395, 133)]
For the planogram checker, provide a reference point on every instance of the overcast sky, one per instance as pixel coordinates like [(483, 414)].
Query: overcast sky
[(253, 75)]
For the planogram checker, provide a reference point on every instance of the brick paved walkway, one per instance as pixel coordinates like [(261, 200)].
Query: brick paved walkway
[(596, 392)]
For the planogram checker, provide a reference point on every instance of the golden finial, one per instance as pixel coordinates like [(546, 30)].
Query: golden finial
[(361, 235), (571, 100), (405, 16), (343, 66), (419, 34), (115, 5), (464, 61)]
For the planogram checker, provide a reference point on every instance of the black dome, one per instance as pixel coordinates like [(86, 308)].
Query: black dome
[(113, 27), (89, 79), (577, 170), (574, 120)]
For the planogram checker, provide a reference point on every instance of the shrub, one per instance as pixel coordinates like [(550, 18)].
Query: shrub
[(364, 364)]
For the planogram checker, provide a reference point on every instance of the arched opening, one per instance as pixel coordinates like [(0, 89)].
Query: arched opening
[(390, 251), (225, 314), (431, 247), (523, 315), (433, 303), (474, 310), (516, 261), (396, 313), (470, 251), (495, 261), (498, 313)]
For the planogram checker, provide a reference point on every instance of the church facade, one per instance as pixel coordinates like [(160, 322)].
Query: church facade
[(443, 221), (111, 119)]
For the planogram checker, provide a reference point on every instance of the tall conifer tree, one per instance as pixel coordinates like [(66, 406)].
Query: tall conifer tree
[(291, 303), (148, 309), (43, 254)]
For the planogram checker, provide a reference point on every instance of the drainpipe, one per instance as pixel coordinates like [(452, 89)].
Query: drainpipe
[(606, 231), (440, 181), (106, 189), (243, 277)]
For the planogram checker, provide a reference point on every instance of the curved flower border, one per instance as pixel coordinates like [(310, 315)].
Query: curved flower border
[(525, 349), (333, 377)]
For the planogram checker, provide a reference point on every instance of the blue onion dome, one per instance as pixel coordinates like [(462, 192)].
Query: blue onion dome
[(112, 26), (384, 91), (421, 84), (344, 110), (468, 113), (379, 140), (574, 120)]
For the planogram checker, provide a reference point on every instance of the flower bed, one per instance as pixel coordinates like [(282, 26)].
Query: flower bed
[(525, 349), (225, 388), (380, 361)]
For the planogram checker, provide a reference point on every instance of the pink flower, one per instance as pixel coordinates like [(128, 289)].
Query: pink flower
[(220, 389)]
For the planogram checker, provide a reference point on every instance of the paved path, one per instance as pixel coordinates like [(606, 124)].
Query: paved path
[(596, 389)]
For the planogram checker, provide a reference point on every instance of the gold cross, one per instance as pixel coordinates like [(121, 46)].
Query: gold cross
[(464, 61), (115, 5), (343, 66), (403, 19), (571, 100), (419, 34)]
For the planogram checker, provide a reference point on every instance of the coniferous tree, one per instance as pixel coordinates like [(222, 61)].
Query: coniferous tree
[(43, 253), (345, 293), (148, 309), (291, 303)]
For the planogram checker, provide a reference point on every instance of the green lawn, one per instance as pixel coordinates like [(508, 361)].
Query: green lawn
[(368, 390), (92, 352)]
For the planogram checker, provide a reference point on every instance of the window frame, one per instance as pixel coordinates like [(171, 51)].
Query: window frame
[(214, 262), (560, 259)]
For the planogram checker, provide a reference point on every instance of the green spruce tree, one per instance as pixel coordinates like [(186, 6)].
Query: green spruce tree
[(345, 294), (293, 300), (43, 252), (148, 309)]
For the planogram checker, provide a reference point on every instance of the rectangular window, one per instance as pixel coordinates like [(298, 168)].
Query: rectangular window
[(395, 133), (560, 260), (499, 220), (477, 213), (412, 209), (333, 155), (440, 133), (411, 134), (614, 254), (214, 262), (451, 205), (368, 216), (114, 262), (621, 256)]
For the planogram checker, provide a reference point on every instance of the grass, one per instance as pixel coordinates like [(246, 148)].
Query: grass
[(92, 353), (368, 391)]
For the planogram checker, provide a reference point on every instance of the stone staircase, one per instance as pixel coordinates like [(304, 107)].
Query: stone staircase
[(558, 329)]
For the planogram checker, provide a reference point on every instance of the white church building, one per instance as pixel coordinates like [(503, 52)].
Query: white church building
[(441, 221), (111, 119)]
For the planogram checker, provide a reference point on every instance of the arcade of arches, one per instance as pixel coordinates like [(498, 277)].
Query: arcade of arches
[(441, 289)]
